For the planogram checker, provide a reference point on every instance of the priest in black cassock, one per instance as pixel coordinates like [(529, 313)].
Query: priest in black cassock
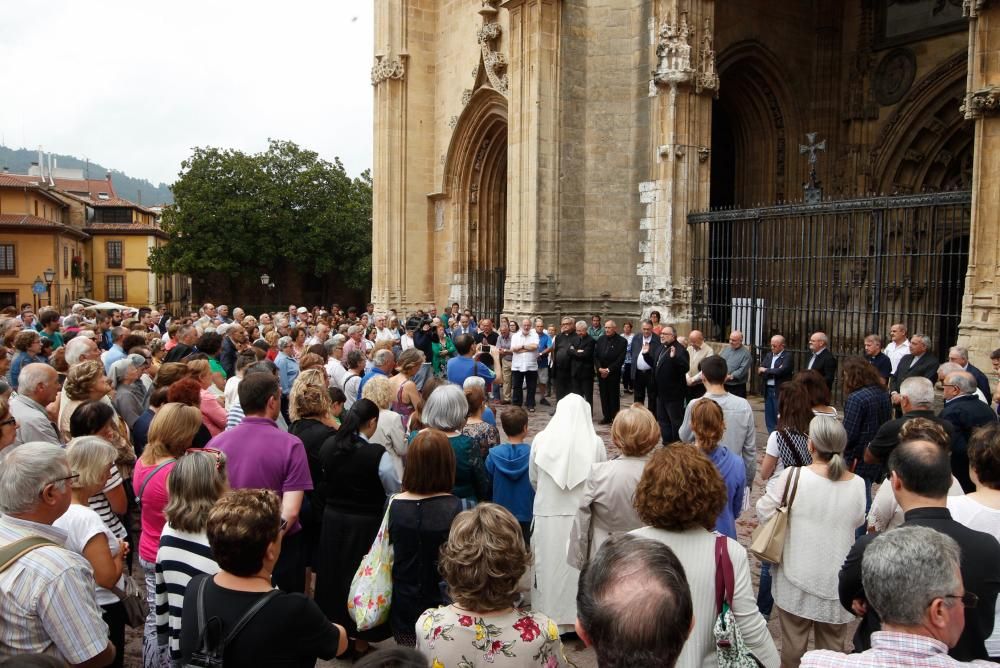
[(582, 362), (609, 356)]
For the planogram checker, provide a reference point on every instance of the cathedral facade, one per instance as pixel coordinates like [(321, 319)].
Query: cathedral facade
[(554, 156)]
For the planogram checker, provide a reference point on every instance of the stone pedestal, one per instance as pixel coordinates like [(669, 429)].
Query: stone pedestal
[(980, 326)]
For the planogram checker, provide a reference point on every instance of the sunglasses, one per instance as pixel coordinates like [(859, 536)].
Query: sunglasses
[(218, 454)]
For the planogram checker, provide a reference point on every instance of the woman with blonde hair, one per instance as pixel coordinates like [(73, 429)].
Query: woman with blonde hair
[(708, 424), (679, 498), (389, 432), (86, 382), (407, 398), (90, 458), (482, 564), (212, 406), (828, 507), (606, 507), (170, 435), (196, 482)]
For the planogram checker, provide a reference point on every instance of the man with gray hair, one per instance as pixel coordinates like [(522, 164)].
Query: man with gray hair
[(80, 349), (116, 351), (47, 591), (38, 387), (920, 476), (916, 400), (383, 364), (288, 371), (335, 370), (912, 579), (967, 413), (960, 355), (919, 362)]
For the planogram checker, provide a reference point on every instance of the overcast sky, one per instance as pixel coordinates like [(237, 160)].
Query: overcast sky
[(135, 84)]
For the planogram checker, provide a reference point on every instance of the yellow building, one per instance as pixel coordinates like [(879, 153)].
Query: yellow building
[(95, 242)]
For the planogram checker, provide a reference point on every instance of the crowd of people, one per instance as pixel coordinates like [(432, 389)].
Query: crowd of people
[(251, 462)]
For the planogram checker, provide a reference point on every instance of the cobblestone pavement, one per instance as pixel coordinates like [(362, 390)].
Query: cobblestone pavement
[(575, 651)]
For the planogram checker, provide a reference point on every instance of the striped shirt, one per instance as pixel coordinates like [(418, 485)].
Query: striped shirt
[(99, 504), (47, 603), (181, 556), (891, 650)]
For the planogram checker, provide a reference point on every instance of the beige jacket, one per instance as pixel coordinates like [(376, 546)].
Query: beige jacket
[(606, 507)]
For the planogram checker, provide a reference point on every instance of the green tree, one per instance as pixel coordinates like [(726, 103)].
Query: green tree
[(241, 214)]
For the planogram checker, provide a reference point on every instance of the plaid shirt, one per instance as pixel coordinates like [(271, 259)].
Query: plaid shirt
[(48, 599), (890, 650), (865, 410)]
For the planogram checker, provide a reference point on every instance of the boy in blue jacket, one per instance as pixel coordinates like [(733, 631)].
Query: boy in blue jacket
[(507, 466)]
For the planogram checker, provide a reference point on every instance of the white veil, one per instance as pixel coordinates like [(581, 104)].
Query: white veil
[(567, 447)]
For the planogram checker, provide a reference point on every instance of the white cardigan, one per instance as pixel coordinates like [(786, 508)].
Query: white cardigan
[(695, 548)]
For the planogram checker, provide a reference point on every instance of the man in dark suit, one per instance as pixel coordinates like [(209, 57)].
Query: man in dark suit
[(916, 400), (776, 368), (642, 371), (822, 360), (186, 338), (670, 373), (960, 356), (582, 362), (609, 355), (966, 412), (919, 362), (562, 367), (920, 475)]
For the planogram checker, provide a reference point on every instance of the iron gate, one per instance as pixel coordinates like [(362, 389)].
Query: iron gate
[(847, 268), (486, 292)]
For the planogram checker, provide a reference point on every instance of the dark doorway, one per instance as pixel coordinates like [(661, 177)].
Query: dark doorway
[(954, 264), (722, 194)]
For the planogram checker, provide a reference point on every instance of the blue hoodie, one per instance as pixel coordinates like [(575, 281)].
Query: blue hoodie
[(507, 465)]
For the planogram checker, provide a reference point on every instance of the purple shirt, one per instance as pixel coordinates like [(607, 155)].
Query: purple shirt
[(261, 456)]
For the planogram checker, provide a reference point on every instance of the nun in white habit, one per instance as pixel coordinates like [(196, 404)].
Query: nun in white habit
[(561, 457)]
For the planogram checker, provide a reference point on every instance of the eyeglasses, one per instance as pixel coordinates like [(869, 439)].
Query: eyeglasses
[(968, 599), (218, 454), (72, 476), (948, 385), (8, 421)]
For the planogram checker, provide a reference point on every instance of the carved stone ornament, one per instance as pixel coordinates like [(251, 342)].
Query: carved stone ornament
[(386, 68), (494, 62), (707, 78), (982, 102), (894, 76), (673, 52), (971, 8)]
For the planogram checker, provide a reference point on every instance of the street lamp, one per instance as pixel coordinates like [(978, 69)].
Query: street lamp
[(265, 279), (50, 276)]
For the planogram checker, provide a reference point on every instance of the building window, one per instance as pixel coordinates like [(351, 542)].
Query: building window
[(116, 288), (8, 299), (114, 255), (65, 261), (8, 265)]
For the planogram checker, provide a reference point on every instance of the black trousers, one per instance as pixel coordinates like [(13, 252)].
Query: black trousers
[(610, 397), (627, 377), (670, 415), (645, 387), (585, 388), (114, 616), (290, 569), (519, 379), (738, 390), (564, 384)]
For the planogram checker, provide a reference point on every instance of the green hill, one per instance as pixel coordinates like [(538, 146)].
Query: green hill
[(138, 190)]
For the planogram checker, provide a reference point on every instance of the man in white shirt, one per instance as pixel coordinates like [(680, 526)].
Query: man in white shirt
[(524, 364), (382, 333), (697, 351), (898, 345), (642, 372)]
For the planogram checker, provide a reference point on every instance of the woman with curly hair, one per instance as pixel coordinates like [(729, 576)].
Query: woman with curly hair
[(86, 381), (679, 497), (389, 432), (482, 563)]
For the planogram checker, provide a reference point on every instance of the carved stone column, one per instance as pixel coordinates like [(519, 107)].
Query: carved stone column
[(533, 156), (681, 88), (980, 326)]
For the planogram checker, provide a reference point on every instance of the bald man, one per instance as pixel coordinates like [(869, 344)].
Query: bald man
[(776, 368), (697, 350)]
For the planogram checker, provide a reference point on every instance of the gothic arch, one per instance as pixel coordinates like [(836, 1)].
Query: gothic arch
[(926, 145), (764, 123), (475, 184)]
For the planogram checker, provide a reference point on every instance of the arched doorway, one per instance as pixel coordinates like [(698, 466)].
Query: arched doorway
[(476, 179)]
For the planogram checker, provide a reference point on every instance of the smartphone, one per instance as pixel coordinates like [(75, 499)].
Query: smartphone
[(486, 347)]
